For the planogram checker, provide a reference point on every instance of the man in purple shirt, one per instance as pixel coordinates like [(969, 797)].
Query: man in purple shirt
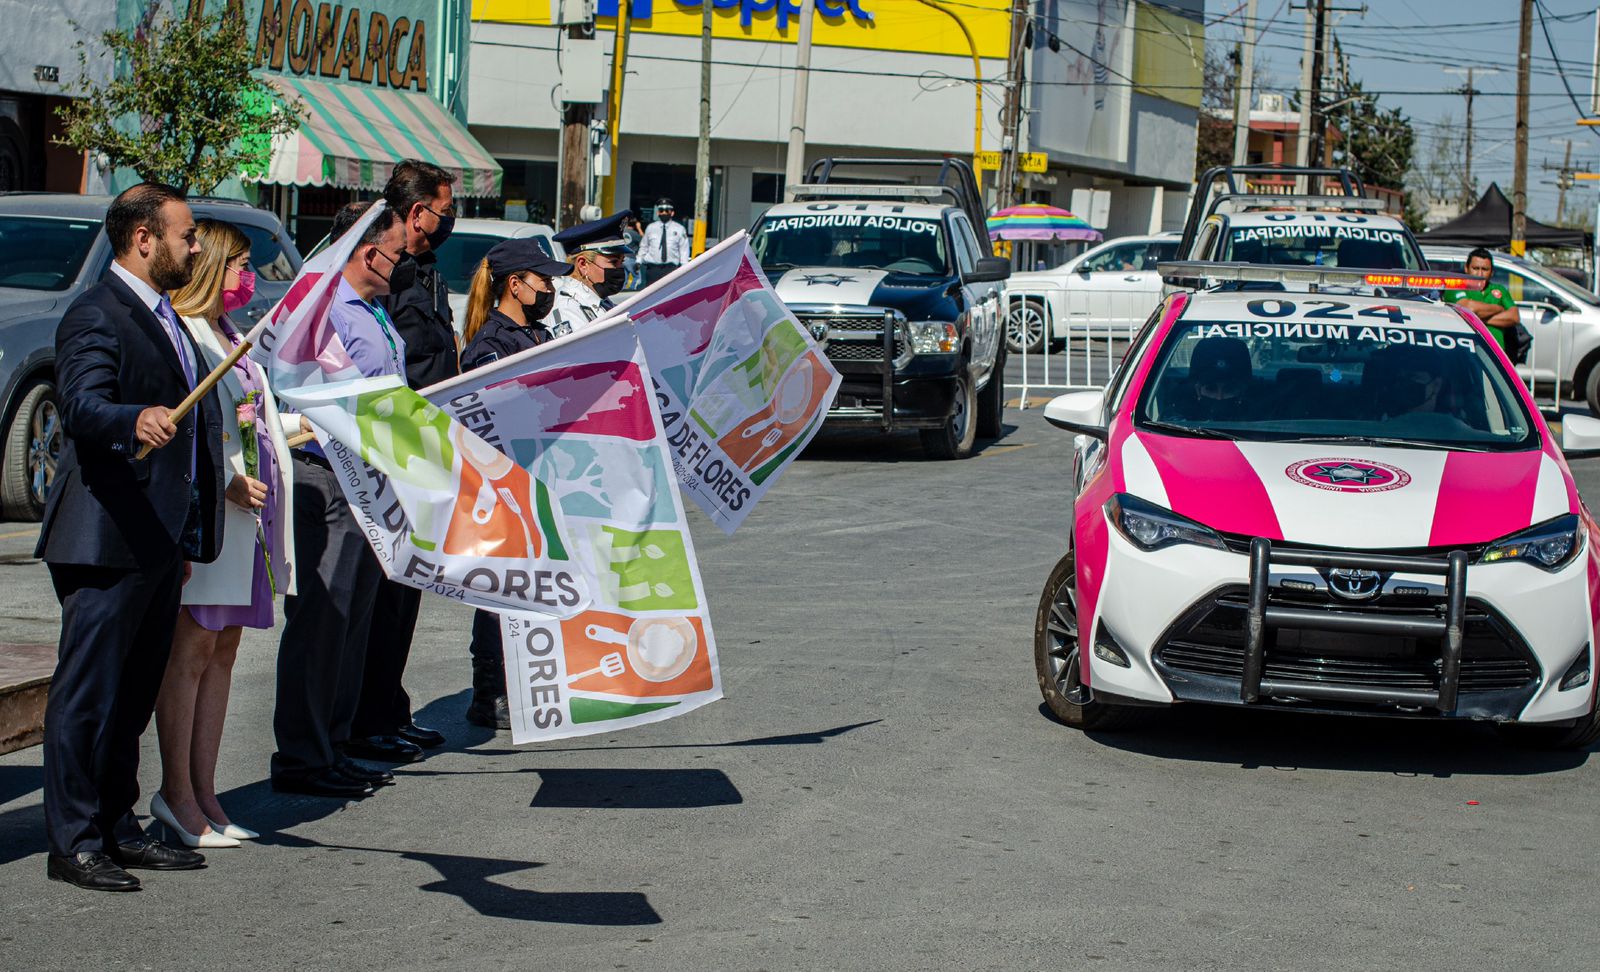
[(323, 649)]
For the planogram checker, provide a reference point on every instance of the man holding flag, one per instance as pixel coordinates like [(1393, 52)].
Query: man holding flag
[(323, 650)]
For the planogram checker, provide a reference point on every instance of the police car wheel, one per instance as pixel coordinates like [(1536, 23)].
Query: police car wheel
[(32, 449), (1579, 736), (1056, 659), (954, 439)]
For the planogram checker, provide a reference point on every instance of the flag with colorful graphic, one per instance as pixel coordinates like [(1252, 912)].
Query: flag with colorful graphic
[(743, 387), (580, 415), (443, 508)]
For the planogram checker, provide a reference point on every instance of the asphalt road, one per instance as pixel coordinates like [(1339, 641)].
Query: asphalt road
[(879, 790)]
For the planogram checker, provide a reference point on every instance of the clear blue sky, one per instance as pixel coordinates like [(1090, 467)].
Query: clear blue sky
[(1406, 46)]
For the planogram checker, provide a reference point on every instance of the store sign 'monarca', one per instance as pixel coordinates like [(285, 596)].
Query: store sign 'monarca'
[(337, 41)]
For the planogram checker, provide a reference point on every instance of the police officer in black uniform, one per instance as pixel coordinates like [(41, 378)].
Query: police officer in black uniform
[(511, 294), (422, 196)]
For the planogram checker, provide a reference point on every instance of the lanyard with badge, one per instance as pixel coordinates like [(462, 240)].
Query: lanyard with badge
[(384, 325)]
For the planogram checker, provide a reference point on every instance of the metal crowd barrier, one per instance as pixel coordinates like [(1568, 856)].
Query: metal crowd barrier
[(1086, 335)]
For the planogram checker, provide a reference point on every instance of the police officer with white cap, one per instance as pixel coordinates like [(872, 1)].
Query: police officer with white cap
[(596, 250), (666, 244)]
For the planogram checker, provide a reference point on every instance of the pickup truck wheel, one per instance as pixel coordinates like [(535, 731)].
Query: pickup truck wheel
[(992, 401), (954, 440), (1025, 328), (1535, 736), (32, 448), (1056, 659)]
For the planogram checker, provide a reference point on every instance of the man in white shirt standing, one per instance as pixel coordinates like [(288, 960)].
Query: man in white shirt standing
[(666, 244)]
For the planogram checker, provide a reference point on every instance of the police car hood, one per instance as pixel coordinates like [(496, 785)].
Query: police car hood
[(919, 296), (1342, 496)]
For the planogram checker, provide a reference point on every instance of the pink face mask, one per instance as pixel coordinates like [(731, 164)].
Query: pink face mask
[(239, 296)]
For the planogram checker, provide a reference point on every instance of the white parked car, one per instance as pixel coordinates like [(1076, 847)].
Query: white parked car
[(1563, 318), (465, 248), (1112, 287)]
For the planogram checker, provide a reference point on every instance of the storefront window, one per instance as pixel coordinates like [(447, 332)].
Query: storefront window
[(527, 195)]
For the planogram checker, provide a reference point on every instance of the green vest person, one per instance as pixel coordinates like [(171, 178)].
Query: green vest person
[(1491, 303)]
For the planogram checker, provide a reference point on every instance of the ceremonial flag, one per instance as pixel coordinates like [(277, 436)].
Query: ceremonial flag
[(444, 510), (742, 386), (579, 415)]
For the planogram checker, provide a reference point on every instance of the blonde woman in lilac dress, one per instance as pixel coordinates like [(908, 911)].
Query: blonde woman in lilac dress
[(237, 591)]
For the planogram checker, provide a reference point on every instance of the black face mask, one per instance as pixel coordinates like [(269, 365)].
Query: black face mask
[(615, 279), (402, 274), (447, 225), (535, 312)]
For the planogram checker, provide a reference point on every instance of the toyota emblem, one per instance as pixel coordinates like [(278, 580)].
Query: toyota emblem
[(1355, 585)]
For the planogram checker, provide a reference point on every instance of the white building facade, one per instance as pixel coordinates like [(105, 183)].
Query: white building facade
[(1112, 94)]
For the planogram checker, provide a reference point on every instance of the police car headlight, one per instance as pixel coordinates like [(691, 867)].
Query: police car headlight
[(933, 337), (1150, 527), (1549, 545)]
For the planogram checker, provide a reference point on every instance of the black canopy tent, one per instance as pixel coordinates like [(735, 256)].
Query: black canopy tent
[(1488, 224)]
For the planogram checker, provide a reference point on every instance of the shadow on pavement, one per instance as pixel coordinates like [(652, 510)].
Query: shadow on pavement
[(470, 879), (19, 781), (1288, 740), (21, 833), (448, 714), (635, 789), (791, 739)]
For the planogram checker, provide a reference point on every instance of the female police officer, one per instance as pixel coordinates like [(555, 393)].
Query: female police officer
[(510, 293)]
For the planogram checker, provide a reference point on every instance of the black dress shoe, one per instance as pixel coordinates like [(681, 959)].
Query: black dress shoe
[(492, 713), (328, 783), (420, 735), (351, 769), (91, 870), (153, 855), (384, 749)]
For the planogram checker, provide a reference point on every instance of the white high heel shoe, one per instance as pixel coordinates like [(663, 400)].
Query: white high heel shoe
[(232, 830), (210, 839)]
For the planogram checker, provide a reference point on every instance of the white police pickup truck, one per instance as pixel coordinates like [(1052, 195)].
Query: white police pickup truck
[(904, 296)]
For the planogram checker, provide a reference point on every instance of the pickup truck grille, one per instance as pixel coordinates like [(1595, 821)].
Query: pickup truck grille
[(853, 337)]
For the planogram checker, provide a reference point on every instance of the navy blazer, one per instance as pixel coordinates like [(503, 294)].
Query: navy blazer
[(106, 508)]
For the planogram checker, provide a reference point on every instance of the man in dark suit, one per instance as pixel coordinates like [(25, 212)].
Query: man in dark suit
[(119, 533), (422, 196)]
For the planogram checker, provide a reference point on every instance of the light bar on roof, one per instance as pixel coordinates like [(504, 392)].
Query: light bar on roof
[(1244, 201), (829, 190), (1319, 276)]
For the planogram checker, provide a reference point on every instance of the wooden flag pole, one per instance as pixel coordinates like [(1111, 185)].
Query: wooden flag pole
[(300, 439), (202, 389)]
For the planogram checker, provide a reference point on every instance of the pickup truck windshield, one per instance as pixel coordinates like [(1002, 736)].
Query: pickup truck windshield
[(1341, 241), (867, 241)]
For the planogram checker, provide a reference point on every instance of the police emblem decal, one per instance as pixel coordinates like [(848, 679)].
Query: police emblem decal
[(1348, 475)]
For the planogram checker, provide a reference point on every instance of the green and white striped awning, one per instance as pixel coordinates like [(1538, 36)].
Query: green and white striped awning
[(353, 134)]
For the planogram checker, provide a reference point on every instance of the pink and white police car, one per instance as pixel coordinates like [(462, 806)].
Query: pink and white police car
[(1332, 502)]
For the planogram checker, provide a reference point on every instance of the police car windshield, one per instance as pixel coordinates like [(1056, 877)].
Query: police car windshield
[(1322, 240), (863, 241), (1376, 378)]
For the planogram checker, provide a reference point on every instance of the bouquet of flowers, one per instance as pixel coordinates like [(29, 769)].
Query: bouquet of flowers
[(246, 412)]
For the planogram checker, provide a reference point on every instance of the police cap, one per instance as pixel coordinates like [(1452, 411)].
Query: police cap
[(598, 235), (521, 255)]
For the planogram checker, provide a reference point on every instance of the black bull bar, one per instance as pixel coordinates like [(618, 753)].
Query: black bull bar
[(1451, 628)]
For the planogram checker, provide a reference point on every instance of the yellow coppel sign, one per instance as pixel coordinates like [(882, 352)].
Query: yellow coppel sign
[(881, 25)]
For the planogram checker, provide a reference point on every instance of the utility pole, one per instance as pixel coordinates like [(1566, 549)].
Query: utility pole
[(1466, 168), (1302, 143), (1011, 115), (1519, 190), (795, 168), (1243, 90), (575, 151), (619, 72), (1564, 181), (1319, 125), (702, 155)]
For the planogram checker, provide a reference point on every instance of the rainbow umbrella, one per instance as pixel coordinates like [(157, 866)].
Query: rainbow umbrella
[(1036, 221)]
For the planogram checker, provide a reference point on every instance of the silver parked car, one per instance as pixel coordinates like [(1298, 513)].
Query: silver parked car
[(52, 248), (1563, 318)]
